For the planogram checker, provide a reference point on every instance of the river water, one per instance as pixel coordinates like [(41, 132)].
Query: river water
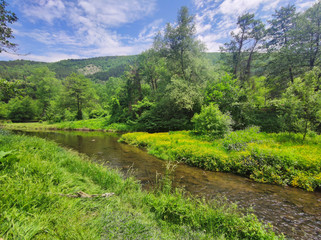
[(291, 211)]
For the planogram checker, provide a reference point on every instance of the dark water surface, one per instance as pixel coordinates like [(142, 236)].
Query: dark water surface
[(294, 212)]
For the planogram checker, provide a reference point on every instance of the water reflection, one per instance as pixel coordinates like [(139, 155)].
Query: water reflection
[(292, 211)]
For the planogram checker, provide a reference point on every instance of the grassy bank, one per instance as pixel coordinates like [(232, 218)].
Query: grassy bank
[(282, 159), (34, 172), (98, 124)]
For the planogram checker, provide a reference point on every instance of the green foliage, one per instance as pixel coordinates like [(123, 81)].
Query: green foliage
[(34, 172), (241, 50), (78, 93), (282, 158), (43, 86), (6, 18), (3, 110), (238, 140), (9, 90), (21, 110), (301, 103), (212, 122), (223, 92), (164, 116), (180, 47)]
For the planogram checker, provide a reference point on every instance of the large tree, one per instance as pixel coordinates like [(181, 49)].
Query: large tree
[(180, 47), (78, 93), (308, 34), (244, 44), (44, 87), (6, 17), (281, 44)]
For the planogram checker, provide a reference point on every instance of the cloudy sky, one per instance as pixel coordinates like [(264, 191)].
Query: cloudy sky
[(52, 30)]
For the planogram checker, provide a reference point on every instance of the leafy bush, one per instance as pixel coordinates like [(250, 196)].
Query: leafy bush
[(21, 110), (238, 140), (3, 110), (212, 122)]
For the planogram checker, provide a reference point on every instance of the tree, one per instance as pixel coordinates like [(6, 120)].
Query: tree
[(179, 46), (78, 93), (153, 68), (21, 109), (45, 87), (301, 103), (10, 90), (6, 17), (240, 50), (212, 122), (308, 33), (281, 39)]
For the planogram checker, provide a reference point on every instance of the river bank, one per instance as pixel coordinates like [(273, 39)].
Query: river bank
[(278, 158), (34, 173), (98, 124), (282, 159)]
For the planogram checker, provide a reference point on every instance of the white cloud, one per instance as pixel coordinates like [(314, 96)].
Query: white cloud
[(240, 6), (103, 12), (215, 19), (149, 32), (88, 25), (302, 5), (47, 10)]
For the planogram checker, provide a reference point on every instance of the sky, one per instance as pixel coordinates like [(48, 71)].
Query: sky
[(53, 30)]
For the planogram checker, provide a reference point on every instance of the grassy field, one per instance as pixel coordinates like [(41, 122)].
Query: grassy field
[(282, 158), (89, 124), (34, 173)]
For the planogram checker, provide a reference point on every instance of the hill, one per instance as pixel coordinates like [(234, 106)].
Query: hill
[(97, 69)]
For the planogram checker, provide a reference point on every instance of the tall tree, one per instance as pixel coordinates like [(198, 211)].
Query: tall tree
[(281, 42), (241, 49), (180, 46), (301, 103), (78, 93), (45, 87), (308, 32), (6, 17)]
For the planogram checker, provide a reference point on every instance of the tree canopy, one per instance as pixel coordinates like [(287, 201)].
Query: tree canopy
[(6, 17)]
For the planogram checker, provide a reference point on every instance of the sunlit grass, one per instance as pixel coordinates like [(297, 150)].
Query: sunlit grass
[(282, 158), (34, 172)]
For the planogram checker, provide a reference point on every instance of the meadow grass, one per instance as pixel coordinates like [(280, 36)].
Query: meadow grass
[(282, 158), (89, 124), (34, 172)]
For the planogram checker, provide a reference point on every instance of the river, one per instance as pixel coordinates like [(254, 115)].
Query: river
[(291, 211)]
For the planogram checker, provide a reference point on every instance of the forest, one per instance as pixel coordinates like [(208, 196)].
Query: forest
[(268, 75)]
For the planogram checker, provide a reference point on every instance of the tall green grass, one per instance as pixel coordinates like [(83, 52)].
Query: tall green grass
[(282, 159), (34, 172)]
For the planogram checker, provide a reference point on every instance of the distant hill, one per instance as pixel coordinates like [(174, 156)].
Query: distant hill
[(97, 69)]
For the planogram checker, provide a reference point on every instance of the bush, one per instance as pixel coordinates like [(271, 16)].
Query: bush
[(3, 110), (21, 110), (212, 122)]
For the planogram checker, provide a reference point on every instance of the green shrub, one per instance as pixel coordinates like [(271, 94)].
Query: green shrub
[(238, 140), (212, 122), (21, 110)]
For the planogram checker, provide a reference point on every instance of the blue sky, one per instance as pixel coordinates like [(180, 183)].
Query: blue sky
[(53, 30)]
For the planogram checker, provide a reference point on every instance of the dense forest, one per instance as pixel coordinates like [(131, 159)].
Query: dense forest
[(268, 75)]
